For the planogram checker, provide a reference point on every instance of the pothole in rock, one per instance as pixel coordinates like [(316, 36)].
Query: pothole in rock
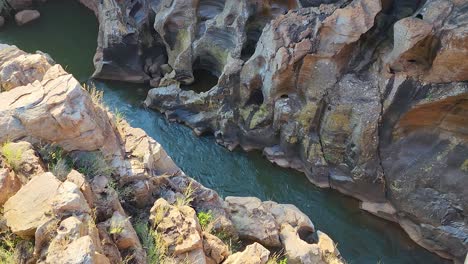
[(204, 81), (307, 234), (258, 21)]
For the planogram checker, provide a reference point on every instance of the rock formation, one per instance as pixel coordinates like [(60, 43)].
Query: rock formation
[(77, 186), (366, 97)]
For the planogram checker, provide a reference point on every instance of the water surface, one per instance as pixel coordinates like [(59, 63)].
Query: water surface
[(68, 32)]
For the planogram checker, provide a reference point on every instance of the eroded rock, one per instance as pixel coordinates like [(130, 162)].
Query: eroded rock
[(26, 16), (178, 227), (253, 254), (28, 208)]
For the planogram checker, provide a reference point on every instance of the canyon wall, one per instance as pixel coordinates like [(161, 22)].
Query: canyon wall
[(80, 185), (367, 97)]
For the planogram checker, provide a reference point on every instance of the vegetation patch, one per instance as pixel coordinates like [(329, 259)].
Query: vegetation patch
[(187, 198), (205, 219), (152, 242), (277, 258), (57, 160), (14, 250), (12, 155), (96, 95), (92, 164)]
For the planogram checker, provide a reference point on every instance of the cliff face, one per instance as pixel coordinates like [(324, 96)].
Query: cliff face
[(367, 97), (79, 185)]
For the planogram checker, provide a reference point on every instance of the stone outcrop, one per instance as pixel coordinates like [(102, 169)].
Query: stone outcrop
[(18, 68), (253, 254), (26, 16), (26, 210), (82, 218), (327, 91), (124, 38), (9, 184), (281, 226)]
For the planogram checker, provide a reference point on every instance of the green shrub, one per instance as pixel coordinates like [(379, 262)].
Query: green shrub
[(7, 249), (96, 95), (187, 198), (152, 242), (277, 258), (116, 227), (234, 245), (92, 164), (205, 219), (61, 169), (12, 155), (58, 162), (13, 249)]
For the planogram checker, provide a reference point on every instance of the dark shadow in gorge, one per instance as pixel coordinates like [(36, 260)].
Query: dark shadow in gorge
[(204, 81)]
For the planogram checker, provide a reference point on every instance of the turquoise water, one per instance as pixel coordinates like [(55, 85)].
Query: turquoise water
[(68, 33)]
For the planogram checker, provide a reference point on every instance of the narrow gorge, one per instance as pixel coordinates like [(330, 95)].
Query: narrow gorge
[(368, 98)]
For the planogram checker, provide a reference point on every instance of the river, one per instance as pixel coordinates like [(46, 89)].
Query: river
[(68, 32)]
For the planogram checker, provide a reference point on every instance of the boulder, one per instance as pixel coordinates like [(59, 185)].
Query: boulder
[(145, 154), (27, 209), (122, 22), (297, 250), (174, 223), (26, 16), (85, 187), (328, 247), (122, 231), (123, 236), (26, 163), (215, 249), (253, 254), (69, 199), (76, 240), (106, 201), (253, 221), (18, 68), (81, 250), (9, 184), (63, 113)]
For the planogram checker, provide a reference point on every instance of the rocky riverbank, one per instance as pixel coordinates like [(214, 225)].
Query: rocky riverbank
[(79, 185), (366, 97)]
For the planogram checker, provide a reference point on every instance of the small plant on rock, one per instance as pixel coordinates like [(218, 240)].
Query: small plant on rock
[(153, 243), (277, 258), (92, 164), (58, 162), (12, 155), (96, 95), (119, 118), (234, 245), (7, 249), (187, 197), (13, 249), (116, 227), (205, 219)]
